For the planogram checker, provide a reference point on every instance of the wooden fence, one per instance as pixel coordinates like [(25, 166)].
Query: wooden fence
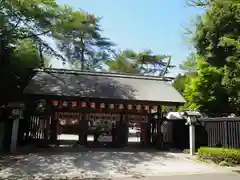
[(220, 132), (214, 132)]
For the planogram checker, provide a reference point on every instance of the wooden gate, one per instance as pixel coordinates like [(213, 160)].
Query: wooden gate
[(34, 129)]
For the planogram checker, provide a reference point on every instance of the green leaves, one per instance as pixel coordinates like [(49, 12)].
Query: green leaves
[(217, 84), (142, 63)]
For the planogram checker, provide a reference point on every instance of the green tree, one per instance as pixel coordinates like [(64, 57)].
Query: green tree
[(21, 19), (217, 83), (144, 62), (22, 59), (189, 68), (81, 41)]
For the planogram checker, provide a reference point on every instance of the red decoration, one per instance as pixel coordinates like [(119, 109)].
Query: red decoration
[(102, 105), (65, 103), (111, 106), (55, 103), (121, 106), (83, 104), (129, 107), (93, 105), (74, 103)]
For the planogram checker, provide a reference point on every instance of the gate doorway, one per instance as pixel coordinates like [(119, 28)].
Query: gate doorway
[(67, 128), (102, 129)]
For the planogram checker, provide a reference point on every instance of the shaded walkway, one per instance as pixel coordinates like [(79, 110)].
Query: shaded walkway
[(101, 163)]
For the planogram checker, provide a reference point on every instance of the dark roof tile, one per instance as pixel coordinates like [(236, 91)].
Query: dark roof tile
[(99, 85)]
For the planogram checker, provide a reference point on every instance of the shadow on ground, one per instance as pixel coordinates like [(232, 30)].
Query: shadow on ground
[(85, 163)]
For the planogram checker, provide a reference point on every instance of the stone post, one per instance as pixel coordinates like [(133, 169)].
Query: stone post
[(14, 135), (192, 121), (192, 138)]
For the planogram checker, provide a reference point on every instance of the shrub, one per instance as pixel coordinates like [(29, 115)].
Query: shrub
[(218, 155)]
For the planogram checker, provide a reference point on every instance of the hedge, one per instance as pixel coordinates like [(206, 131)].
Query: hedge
[(219, 155)]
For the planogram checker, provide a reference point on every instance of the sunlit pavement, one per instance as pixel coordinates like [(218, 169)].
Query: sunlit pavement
[(117, 164), (90, 138), (221, 176)]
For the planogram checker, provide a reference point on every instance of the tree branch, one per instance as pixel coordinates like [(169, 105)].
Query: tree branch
[(11, 30)]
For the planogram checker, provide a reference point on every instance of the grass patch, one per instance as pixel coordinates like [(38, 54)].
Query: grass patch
[(221, 156)]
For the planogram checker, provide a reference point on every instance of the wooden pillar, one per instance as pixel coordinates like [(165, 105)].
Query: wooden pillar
[(148, 130), (83, 129), (159, 140), (53, 126)]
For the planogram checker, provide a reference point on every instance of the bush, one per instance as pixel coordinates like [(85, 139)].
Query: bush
[(219, 155)]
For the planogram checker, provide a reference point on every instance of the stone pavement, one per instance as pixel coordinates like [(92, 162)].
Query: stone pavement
[(105, 163), (221, 176)]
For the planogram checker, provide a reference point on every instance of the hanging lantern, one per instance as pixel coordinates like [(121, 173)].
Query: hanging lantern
[(138, 107), (74, 103), (146, 107), (102, 105), (129, 107), (111, 106), (65, 103), (155, 108), (92, 105), (55, 103), (83, 104), (121, 106)]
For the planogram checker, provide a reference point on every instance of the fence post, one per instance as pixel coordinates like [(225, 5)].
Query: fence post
[(226, 132)]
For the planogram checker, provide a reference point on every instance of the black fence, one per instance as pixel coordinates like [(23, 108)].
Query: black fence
[(213, 132), (219, 132), (175, 134)]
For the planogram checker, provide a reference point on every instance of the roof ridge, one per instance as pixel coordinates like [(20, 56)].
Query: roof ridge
[(108, 74)]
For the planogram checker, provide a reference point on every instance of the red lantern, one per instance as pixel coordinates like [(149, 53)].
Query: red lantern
[(146, 107), (129, 107), (55, 103), (92, 105), (74, 103), (121, 106), (83, 104), (138, 107), (65, 103), (102, 105), (111, 106)]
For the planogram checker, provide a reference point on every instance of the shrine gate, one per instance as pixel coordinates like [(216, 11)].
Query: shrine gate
[(95, 103)]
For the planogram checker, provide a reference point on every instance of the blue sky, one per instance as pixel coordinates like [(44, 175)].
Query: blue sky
[(143, 24)]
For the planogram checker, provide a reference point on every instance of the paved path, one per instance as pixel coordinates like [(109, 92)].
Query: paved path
[(105, 164), (221, 176)]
